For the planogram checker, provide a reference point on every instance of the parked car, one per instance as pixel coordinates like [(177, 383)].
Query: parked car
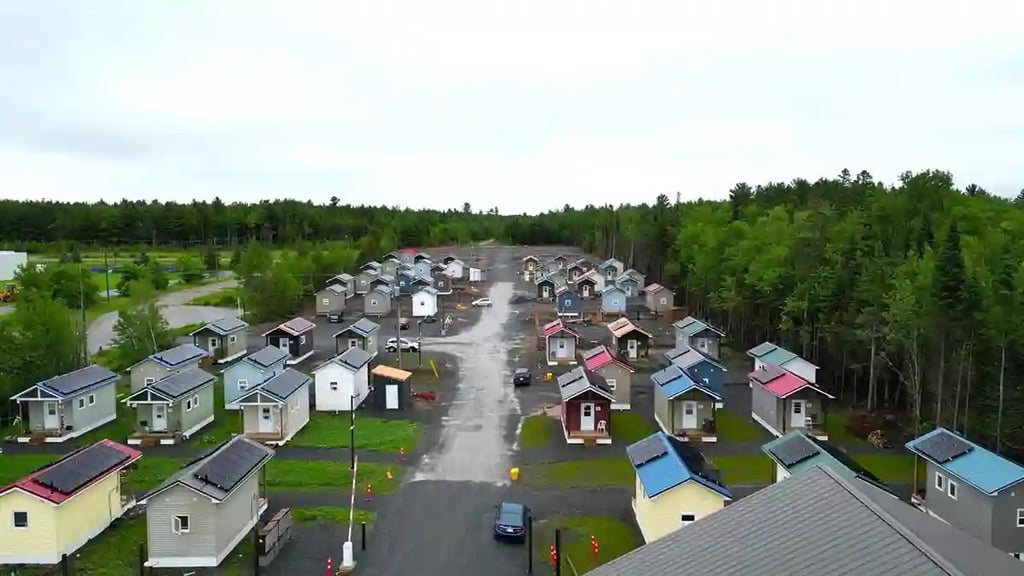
[(335, 317), (522, 377), (428, 319), (510, 524), (403, 323), (482, 302), (406, 344)]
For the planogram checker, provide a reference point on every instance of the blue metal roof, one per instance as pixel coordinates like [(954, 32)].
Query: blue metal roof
[(985, 470), (674, 381), (668, 471)]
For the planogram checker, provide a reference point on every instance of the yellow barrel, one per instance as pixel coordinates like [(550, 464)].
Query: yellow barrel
[(514, 474), (549, 377)]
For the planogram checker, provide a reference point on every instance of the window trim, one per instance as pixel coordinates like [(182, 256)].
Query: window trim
[(611, 383), (940, 482), (1020, 517), (243, 384), (178, 527), (195, 401), (214, 342), (14, 519), (684, 523), (952, 489), (332, 385), (232, 339), (148, 380), (188, 405), (325, 301), (92, 399), (81, 402), (302, 339)]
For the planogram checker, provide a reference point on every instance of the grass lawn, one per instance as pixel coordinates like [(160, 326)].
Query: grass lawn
[(631, 427), (580, 473), (332, 431), (150, 471), (328, 475), (13, 468), (331, 514), (614, 538), (100, 280), (734, 428), (537, 430), (227, 298), (893, 468), (119, 429), (746, 469), (835, 427)]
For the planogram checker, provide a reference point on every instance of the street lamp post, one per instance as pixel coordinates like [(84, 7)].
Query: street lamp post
[(352, 433)]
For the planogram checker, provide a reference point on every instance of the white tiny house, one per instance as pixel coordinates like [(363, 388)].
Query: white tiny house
[(342, 383), (424, 302)]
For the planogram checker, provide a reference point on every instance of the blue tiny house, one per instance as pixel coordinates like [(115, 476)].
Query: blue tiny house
[(613, 300), (568, 303)]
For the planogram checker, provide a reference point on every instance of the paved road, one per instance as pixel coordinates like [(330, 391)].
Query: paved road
[(6, 309), (172, 306)]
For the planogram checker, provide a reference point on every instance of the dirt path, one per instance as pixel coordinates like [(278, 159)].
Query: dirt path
[(101, 330)]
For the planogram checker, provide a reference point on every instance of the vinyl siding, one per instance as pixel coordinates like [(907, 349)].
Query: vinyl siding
[(246, 371), (334, 302), (660, 516), (200, 541), (622, 379), (570, 350), (1005, 534), (235, 515), (971, 512), (225, 348), (706, 344), (89, 417), (705, 410), (189, 418), (39, 539), (88, 513), (766, 406), (803, 369), (150, 369), (296, 412), (340, 399)]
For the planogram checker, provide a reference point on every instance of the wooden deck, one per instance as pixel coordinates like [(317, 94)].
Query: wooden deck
[(146, 439), (590, 438)]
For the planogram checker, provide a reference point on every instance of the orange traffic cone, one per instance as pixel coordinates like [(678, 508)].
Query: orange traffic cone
[(387, 474), (401, 453), (329, 571), (369, 493)]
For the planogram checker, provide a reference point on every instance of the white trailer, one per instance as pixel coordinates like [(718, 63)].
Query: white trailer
[(10, 262)]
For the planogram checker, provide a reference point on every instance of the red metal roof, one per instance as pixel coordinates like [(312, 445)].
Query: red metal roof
[(602, 358), (552, 328), (28, 483)]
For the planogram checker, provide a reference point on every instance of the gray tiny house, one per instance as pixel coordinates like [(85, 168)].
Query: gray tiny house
[(201, 513), (685, 407), (331, 300), (274, 411), (295, 336), (224, 340), (362, 333), (699, 335), (165, 363), (69, 405), (173, 408), (347, 281), (781, 401), (377, 302), (973, 489), (363, 280), (252, 371)]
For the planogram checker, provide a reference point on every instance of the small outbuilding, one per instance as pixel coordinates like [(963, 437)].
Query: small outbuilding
[(391, 388)]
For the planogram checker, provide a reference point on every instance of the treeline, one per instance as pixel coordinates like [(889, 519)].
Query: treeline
[(910, 297)]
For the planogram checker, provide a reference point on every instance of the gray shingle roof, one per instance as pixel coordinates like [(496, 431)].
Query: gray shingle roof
[(267, 356), (362, 327), (67, 384), (815, 523), (336, 289), (297, 326), (224, 326), (177, 385), (579, 380)]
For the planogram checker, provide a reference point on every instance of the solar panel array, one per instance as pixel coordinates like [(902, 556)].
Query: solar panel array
[(666, 375), (234, 462), (943, 447), (286, 383), (80, 468), (177, 385), (646, 450), (79, 379), (228, 324), (180, 354), (794, 451)]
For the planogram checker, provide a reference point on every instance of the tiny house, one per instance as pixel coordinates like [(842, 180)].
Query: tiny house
[(658, 299), (769, 353), (172, 408), (424, 302), (629, 340), (346, 281), (277, 409), (165, 363), (617, 374), (586, 407), (560, 343), (545, 288), (378, 302), (295, 336), (342, 383), (331, 300), (224, 340), (364, 280), (530, 263), (391, 388), (684, 407), (613, 300), (586, 286), (69, 405), (568, 303), (781, 401), (698, 334), (253, 370), (362, 333)]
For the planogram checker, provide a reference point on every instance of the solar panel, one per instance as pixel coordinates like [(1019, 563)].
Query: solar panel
[(227, 468), (794, 451), (80, 468), (646, 450), (79, 379), (180, 354), (177, 385), (943, 447)]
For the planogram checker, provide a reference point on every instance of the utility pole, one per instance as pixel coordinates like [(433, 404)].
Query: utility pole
[(398, 326), (352, 433)]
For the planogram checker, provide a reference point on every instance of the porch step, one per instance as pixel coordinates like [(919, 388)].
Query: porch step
[(590, 441)]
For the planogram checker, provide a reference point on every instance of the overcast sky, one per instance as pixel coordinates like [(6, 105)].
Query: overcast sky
[(525, 105)]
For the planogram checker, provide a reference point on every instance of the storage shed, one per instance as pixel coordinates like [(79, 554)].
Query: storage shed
[(391, 388)]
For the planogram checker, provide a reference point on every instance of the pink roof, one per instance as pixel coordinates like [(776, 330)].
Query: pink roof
[(552, 328), (654, 288), (29, 484), (602, 359), (788, 383)]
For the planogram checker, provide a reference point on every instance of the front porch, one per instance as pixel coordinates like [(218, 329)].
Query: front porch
[(811, 427), (708, 433), (587, 438), (57, 435)]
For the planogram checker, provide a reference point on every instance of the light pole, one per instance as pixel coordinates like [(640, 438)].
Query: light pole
[(398, 326), (352, 433)]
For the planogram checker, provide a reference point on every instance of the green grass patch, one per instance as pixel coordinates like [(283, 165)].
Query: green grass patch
[(745, 469), (332, 431), (226, 423), (734, 428), (331, 515), (329, 475), (835, 427), (614, 538), (100, 280), (892, 468), (537, 430), (13, 468), (227, 298), (615, 472), (149, 472), (631, 427)]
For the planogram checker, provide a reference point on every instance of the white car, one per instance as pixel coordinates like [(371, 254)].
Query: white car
[(482, 302), (406, 344)]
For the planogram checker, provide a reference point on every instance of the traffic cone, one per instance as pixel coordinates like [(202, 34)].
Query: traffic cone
[(369, 493), (329, 571), (401, 453), (388, 475)]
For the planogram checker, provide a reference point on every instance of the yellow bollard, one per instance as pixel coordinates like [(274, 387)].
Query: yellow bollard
[(514, 474)]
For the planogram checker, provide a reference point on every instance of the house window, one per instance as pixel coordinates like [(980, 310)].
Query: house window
[(664, 301), (686, 519), (195, 401), (373, 301), (266, 413), (326, 301), (1020, 517), (334, 385), (147, 381), (232, 339), (213, 343), (188, 405), (611, 384), (951, 489), (180, 524), (302, 339), (940, 482), (81, 403), (243, 384), (92, 399), (20, 519)]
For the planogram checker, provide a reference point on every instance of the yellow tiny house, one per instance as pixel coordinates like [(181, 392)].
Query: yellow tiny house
[(57, 509)]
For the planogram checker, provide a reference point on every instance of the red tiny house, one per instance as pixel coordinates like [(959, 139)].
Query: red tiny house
[(586, 407)]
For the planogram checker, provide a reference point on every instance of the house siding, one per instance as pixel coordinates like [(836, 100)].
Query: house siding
[(766, 406), (150, 369), (705, 411), (971, 512), (389, 267), (707, 342), (661, 301), (630, 287), (602, 412), (623, 381), (613, 302), (424, 304), (88, 513), (376, 304), (568, 355), (327, 302), (586, 289), (41, 537), (343, 342), (803, 369), (187, 419), (340, 399), (225, 348), (1005, 534), (546, 290), (296, 412), (621, 345), (236, 514), (250, 373), (362, 282), (812, 408), (201, 539), (660, 516), (88, 417)]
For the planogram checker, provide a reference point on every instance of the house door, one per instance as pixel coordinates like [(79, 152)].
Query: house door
[(51, 420), (631, 348), (545, 292), (561, 350), (159, 423), (586, 291), (587, 417), (284, 344), (266, 424), (797, 414), (689, 415), (353, 343), (391, 397)]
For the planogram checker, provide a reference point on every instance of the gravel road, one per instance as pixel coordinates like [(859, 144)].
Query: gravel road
[(173, 308)]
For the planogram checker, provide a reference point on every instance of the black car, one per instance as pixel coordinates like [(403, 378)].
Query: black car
[(522, 377), (428, 320), (511, 522), (335, 317), (403, 323)]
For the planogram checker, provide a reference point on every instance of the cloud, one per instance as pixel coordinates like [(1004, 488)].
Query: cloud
[(528, 105)]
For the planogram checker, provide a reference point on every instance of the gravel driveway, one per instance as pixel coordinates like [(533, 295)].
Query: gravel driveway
[(173, 308)]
